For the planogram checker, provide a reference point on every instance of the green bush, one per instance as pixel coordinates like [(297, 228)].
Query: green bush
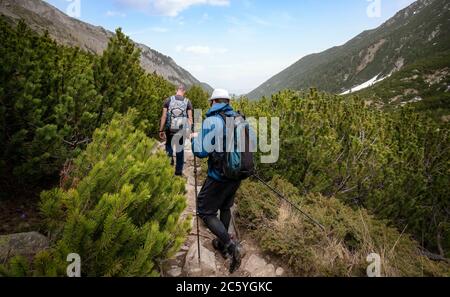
[(118, 207), (350, 236), (53, 97), (199, 98)]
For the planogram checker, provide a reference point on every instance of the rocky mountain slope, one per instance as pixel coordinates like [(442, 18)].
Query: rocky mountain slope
[(414, 33), (425, 84), (41, 16)]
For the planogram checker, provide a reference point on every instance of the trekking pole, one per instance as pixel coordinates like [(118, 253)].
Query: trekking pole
[(196, 207), (290, 202), (236, 230)]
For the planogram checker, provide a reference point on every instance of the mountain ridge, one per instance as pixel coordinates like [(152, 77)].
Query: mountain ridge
[(41, 17), (411, 34)]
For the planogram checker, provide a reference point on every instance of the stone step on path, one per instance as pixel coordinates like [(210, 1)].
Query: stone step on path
[(212, 264)]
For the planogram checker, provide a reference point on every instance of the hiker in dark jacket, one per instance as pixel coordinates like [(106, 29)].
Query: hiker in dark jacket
[(217, 193), (176, 108)]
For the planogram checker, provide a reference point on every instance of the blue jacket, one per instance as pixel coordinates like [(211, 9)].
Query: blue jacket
[(213, 121)]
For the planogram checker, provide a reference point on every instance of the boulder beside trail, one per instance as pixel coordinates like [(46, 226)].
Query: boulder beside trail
[(23, 244)]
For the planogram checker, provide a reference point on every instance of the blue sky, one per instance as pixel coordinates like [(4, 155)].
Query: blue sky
[(236, 44)]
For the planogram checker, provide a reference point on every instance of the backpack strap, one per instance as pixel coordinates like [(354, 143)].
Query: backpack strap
[(170, 102), (169, 111), (223, 116), (186, 104), (242, 115)]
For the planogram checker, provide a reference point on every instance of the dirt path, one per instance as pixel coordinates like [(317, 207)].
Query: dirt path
[(186, 263)]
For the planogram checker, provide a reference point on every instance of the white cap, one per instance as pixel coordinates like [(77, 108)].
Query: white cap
[(220, 94)]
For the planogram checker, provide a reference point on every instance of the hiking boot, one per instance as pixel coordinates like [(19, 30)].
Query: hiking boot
[(235, 250), (179, 173), (218, 246)]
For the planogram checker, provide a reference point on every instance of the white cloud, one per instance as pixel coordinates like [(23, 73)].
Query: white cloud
[(111, 13), (169, 7), (201, 50)]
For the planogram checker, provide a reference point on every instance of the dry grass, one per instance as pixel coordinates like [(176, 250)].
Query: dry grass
[(351, 235)]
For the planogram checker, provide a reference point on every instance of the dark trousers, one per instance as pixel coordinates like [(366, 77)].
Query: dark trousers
[(180, 153), (214, 197)]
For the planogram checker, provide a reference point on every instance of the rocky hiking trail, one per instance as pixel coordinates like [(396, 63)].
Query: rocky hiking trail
[(185, 263)]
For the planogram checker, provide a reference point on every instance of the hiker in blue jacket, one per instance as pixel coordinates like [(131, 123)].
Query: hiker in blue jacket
[(217, 193)]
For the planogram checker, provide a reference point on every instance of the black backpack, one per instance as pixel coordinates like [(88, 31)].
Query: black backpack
[(237, 162)]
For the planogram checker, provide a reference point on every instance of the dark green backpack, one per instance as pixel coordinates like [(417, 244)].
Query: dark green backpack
[(237, 162)]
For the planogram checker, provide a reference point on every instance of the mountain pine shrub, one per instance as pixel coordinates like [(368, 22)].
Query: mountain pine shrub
[(199, 98), (53, 97), (47, 101), (118, 207), (394, 164), (350, 236)]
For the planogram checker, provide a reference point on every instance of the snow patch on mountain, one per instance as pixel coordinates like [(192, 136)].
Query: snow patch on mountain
[(366, 84)]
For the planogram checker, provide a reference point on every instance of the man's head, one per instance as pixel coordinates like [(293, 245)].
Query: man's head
[(220, 96), (181, 91)]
